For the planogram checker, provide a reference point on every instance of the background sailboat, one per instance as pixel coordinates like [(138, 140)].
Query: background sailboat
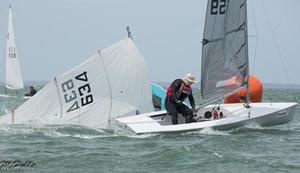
[(13, 74)]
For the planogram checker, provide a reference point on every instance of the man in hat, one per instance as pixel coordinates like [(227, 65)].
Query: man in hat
[(177, 92)]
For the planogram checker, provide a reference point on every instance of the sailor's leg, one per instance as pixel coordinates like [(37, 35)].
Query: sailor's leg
[(171, 109), (187, 113)]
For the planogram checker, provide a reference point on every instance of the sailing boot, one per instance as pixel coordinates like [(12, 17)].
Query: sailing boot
[(174, 120)]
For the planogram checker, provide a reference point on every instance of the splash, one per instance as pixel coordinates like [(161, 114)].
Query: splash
[(77, 132), (217, 154), (253, 125), (3, 110), (56, 134), (208, 131), (121, 131), (143, 136), (55, 131)]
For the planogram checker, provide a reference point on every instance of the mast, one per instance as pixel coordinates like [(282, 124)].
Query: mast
[(247, 58), (129, 33)]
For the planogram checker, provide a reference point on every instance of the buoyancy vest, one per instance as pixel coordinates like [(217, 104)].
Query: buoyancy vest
[(183, 92), (178, 91)]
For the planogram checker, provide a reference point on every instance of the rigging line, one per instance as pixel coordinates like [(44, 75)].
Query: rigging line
[(275, 40), (255, 27), (277, 47)]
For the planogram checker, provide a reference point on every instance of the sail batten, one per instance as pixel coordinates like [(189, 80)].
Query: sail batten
[(14, 79), (224, 65)]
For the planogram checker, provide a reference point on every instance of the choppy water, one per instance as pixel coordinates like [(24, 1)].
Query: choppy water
[(79, 149)]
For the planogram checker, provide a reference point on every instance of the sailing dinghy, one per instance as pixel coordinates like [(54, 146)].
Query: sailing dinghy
[(112, 83), (224, 71), (13, 78)]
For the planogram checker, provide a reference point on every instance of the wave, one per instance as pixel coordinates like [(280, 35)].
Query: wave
[(3, 110), (278, 130), (121, 131), (55, 131)]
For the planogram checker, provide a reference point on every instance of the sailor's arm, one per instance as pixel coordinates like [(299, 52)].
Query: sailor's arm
[(192, 101)]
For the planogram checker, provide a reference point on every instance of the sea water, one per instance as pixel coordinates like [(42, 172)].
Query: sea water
[(251, 148)]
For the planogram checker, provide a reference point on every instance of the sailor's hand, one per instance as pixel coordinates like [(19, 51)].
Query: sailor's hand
[(197, 108), (194, 109), (195, 114)]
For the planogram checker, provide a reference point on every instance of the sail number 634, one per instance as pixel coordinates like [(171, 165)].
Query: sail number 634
[(84, 91)]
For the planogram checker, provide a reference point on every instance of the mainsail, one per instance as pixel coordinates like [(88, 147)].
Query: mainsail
[(112, 83), (224, 66), (14, 78)]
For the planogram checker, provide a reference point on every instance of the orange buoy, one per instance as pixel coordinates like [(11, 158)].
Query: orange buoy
[(255, 91)]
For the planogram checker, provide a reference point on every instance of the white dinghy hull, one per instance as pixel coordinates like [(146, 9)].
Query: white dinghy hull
[(264, 114)]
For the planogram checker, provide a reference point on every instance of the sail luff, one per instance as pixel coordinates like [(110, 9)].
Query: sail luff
[(14, 79)]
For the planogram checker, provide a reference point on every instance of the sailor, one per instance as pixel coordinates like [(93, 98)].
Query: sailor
[(31, 92), (177, 92)]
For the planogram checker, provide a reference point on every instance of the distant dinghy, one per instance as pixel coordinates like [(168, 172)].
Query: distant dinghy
[(13, 79), (112, 83)]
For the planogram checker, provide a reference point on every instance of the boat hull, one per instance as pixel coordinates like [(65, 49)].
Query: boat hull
[(235, 115)]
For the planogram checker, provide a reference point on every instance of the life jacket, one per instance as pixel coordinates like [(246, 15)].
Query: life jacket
[(185, 89), (169, 91), (183, 92)]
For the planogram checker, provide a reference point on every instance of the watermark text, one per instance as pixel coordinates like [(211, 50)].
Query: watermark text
[(16, 164)]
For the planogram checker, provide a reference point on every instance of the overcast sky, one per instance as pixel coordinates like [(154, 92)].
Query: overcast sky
[(53, 36)]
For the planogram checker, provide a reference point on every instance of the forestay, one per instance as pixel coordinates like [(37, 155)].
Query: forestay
[(224, 66), (112, 83), (14, 78)]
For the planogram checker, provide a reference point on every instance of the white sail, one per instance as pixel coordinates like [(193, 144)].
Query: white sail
[(224, 65), (14, 78), (112, 83)]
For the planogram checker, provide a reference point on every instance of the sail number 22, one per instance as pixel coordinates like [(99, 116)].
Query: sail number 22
[(84, 91), (218, 7)]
